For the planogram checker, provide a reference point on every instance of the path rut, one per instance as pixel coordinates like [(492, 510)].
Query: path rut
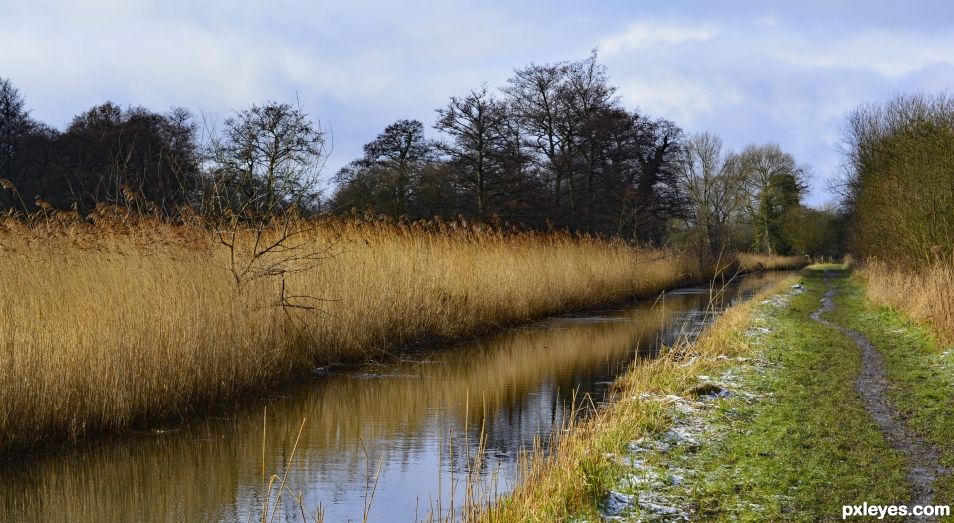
[(872, 384)]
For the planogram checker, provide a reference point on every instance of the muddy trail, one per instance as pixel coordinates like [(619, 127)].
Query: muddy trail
[(873, 385)]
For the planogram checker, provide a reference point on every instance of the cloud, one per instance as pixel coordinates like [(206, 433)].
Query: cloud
[(892, 54), (663, 93), (643, 35)]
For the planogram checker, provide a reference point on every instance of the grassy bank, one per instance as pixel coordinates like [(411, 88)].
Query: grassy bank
[(119, 323), (574, 480), (805, 446), (788, 440)]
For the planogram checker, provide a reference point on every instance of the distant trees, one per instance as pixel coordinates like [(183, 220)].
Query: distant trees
[(900, 184), (477, 127), (14, 123), (773, 185), (146, 161), (25, 152), (265, 161), (391, 176), (712, 182), (553, 148), (142, 160), (653, 194), (819, 232)]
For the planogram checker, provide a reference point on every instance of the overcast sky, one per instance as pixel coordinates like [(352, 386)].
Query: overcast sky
[(748, 71)]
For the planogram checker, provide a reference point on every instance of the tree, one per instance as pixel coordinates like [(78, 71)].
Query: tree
[(146, 161), (535, 100), (657, 196), (774, 184), (477, 127), (267, 160), (900, 185), (638, 175), (712, 181), (815, 232), (14, 124), (387, 176)]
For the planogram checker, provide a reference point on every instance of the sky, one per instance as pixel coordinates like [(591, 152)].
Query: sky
[(748, 71)]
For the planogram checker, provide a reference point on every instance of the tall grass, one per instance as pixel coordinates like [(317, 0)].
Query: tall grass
[(110, 325), (925, 293)]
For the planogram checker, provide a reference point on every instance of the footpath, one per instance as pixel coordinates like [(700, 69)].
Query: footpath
[(834, 409)]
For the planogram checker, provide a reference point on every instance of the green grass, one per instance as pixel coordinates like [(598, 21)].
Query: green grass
[(800, 450), (808, 446), (921, 374)]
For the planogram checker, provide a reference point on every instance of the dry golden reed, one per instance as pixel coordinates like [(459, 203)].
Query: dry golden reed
[(926, 293), (126, 321)]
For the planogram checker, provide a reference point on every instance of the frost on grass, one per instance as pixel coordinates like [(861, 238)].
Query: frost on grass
[(782, 300), (653, 488)]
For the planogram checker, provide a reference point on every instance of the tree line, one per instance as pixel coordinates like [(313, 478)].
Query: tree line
[(899, 189), (264, 160), (553, 148)]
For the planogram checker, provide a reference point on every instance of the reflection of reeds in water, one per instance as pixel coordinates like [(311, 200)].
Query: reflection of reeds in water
[(207, 467)]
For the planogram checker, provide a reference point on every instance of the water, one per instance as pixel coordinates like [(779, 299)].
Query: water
[(406, 431)]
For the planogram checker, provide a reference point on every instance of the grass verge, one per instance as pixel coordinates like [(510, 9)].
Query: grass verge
[(791, 441), (805, 446)]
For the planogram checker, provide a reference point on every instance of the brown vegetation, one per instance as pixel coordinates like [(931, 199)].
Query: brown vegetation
[(900, 156), (926, 294), (109, 325)]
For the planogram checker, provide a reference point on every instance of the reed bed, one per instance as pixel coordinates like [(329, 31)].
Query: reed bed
[(127, 321), (926, 293)]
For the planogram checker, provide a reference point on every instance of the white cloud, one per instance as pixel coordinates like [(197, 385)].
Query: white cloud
[(892, 54), (642, 35), (677, 97)]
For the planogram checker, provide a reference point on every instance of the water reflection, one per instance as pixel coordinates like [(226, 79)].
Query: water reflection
[(418, 419)]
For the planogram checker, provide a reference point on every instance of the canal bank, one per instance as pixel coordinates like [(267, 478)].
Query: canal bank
[(774, 415)]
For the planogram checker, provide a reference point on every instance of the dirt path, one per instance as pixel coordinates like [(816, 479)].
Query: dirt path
[(873, 386)]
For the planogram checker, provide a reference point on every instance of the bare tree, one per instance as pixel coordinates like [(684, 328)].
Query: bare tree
[(263, 169), (145, 161), (387, 176), (589, 100), (713, 184), (267, 160), (535, 97), (477, 126), (14, 122)]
